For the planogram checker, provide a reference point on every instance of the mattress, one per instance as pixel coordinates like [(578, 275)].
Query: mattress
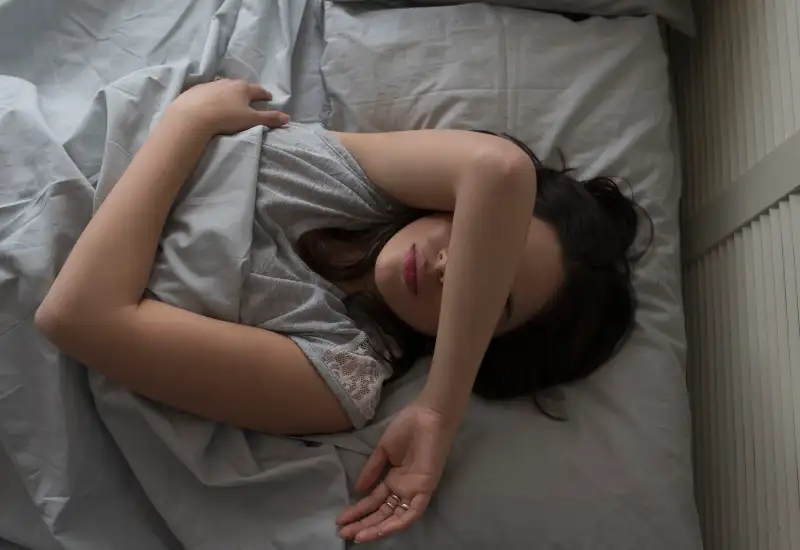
[(616, 475)]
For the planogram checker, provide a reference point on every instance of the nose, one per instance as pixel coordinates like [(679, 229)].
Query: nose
[(440, 265)]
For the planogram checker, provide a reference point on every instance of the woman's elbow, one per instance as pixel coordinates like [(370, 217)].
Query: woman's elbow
[(505, 166), (59, 324), (50, 321)]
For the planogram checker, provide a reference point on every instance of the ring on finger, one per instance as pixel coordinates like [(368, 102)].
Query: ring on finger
[(404, 506), (393, 501)]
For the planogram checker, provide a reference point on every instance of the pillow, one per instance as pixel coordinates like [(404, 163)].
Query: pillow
[(677, 13), (618, 473)]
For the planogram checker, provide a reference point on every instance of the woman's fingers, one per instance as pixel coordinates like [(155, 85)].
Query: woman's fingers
[(271, 119), (399, 520), (374, 519), (258, 93), (364, 506), (372, 470)]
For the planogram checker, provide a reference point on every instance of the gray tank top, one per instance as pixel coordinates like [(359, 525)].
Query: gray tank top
[(307, 180)]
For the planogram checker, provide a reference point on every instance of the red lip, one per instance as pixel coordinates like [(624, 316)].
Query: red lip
[(410, 269)]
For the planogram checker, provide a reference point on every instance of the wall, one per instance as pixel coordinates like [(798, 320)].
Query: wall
[(738, 96)]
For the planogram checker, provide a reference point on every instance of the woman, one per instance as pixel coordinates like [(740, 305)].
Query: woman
[(537, 301)]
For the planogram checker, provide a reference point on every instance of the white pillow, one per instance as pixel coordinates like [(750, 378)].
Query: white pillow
[(618, 473), (677, 13)]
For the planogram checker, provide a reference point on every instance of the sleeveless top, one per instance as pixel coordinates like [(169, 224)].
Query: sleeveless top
[(306, 181)]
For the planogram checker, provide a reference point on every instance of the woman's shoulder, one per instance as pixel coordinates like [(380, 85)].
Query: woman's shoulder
[(314, 143), (308, 178)]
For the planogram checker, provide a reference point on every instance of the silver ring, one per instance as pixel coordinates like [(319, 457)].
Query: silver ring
[(390, 504), (404, 506)]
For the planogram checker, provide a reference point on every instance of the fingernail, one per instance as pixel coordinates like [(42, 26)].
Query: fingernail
[(284, 119)]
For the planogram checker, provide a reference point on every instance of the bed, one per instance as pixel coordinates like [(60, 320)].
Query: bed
[(84, 464)]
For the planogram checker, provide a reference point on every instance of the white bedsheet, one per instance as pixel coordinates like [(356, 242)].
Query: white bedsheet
[(618, 473), (64, 70), (64, 482)]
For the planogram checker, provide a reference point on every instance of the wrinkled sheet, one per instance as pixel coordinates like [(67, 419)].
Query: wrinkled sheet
[(618, 474), (84, 465), (81, 86)]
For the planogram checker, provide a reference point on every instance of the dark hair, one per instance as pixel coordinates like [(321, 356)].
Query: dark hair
[(577, 331)]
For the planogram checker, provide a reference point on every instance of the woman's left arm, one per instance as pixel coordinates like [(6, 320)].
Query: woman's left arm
[(110, 265), (489, 184)]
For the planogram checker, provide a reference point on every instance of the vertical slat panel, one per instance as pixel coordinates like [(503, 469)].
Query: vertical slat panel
[(753, 501), (772, 374), (765, 84), (737, 141), (750, 22), (722, 426), (693, 365), (714, 108), (755, 385), (764, 390), (770, 33), (783, 382), (744, 80), (704, 450), (794, 205), (736, 398), (783, 67), (739, 90), (791, 379), (711, 343), (793, 52), (744, 299)]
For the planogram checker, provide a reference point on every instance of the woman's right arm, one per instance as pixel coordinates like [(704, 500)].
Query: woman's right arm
[(94, 310)]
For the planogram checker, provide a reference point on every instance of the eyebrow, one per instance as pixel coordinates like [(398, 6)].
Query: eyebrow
[(509, 307)]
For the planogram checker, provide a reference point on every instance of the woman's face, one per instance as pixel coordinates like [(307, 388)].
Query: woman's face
[(409, 273)]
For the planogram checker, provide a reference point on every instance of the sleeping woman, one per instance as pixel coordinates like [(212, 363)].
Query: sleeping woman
[(383, 248)]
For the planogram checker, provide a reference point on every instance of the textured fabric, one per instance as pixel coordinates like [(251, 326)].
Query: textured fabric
[(677, 13), (307, 181), (84, 464)]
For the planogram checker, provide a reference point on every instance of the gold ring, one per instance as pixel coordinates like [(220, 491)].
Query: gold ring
[(393, 501)]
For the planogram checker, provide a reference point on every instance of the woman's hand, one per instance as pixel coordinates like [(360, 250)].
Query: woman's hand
[(223, 107), (415, 447)]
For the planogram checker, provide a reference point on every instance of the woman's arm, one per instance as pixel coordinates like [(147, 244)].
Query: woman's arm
[(94, 311), (489, 184)]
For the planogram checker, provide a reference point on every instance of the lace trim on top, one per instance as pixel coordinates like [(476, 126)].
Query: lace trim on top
[(358, 372)]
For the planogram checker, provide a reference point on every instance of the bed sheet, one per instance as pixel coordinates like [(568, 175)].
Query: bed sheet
[(80, 77), (618, 473), (64, 64)]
